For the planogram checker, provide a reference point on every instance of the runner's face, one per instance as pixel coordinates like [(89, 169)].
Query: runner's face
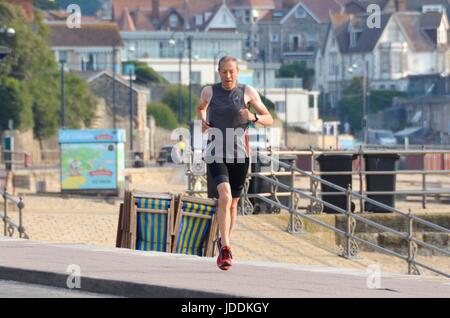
[(229, 74)]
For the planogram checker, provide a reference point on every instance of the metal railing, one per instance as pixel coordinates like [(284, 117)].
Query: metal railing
[(296, 225), (424, 192), (9, 227)]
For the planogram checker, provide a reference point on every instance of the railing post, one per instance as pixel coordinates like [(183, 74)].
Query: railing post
[(311, 182), (348, 225), (412, 247), (21, 205), (5, 212), (424, 182), (362, 169), (292, 205)]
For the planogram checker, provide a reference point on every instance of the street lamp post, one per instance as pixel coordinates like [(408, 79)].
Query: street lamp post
[(131, 50), (173, 41), (427, 93), (286, 115), (63, 117), (114, 86), (365, 97), (263, 55)]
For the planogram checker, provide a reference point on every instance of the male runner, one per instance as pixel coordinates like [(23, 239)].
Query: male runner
[(224, 109)]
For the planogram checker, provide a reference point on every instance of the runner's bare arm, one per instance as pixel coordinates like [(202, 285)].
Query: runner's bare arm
[(205, 99), (252, 97)]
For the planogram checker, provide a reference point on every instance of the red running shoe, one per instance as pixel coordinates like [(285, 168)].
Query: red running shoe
[(224, 261)]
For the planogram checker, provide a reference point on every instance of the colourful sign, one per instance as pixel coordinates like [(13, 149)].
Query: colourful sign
[(92, 159)]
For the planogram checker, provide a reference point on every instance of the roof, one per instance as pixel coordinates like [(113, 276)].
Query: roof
[(142, 21), (414, 26), (27, 6), (89, 77), (104, 34), (368, 38)]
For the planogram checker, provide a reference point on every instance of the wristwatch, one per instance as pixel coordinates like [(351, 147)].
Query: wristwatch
[(256, 118)]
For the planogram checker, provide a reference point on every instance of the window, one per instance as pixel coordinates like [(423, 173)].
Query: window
[(224, 19), (199, 20), (247, 16), (385, 62), (173, 21), (397, 62), (274, 37), (171, 77), (333, 64), (300, 12), (196, 78)]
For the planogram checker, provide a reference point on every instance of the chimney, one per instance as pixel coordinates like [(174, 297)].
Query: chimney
[(400, 5), (155, 10)]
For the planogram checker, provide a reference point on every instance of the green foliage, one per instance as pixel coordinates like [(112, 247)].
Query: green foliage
[(80, 102), (16, 104), (172, 97), (270, 106), (297, 70), (33, 66), (164, 116), (146, 75), (351, 104)]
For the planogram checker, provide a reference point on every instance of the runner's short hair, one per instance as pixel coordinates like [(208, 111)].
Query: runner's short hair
[(226, 59)]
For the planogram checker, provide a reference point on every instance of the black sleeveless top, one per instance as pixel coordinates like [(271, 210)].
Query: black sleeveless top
[(223, 114)]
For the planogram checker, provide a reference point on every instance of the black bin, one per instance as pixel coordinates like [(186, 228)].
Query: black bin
[(381, 162), (336, 163)]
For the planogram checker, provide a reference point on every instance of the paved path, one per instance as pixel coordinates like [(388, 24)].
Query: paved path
[(11, 289), (142, 274)]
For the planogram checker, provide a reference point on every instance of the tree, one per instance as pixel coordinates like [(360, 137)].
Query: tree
[(163, 115), (172, 98), (270, 106), (16, 104), (351, 104), (146, 75), (299, 70), (32, 64)]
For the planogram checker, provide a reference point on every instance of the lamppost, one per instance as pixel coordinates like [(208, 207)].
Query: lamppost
[(62, 61), (366, 95), (189, 40), (286, 114), (131, 50), (264, 60), (216, 57), (173, 42), (114, 85)]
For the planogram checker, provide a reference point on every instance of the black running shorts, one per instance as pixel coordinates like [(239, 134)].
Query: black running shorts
[(233, 173)]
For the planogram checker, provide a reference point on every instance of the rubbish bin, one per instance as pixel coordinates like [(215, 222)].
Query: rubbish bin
[(258, 185), (336, 163), (381, 162)]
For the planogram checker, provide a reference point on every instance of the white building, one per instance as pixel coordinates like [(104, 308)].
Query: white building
[(406, 43)]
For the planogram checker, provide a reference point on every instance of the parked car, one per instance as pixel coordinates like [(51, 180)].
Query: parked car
[(381, 137)]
